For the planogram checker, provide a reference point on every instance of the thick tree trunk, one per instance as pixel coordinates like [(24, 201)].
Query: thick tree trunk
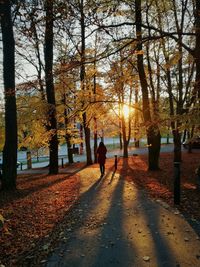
[(153, 133), (125, 152), (153, 138), (125, 141), (197, 51), (10, 147), (53, 143), (69, 152)]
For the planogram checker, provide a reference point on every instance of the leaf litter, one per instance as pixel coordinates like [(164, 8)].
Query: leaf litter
[(41, 202)]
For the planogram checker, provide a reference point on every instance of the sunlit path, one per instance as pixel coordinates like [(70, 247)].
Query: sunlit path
[(119, 226)]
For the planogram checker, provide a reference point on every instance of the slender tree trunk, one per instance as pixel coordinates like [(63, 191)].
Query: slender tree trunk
[(95, 140), (53, 143), (95, 119), (81, 137), (179, 107), (120, 131), (153, 133), (67, 134), (125, 142), (137, 141), (38, 55), (82, 77), (10, 147)]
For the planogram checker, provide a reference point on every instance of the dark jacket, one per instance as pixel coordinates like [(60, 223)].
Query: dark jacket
[(101, 151)]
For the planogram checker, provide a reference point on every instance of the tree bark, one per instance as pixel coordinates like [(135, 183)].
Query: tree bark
[(95, 140), (48, 53), (95, 119), (10, 147), (197, 51), (153, 133), (125, 141), (82, 77), (67, 134)]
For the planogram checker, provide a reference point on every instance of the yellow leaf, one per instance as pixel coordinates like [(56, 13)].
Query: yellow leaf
[(2, 219)]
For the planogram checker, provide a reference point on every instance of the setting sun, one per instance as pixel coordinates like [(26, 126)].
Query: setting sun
[(126, 111)]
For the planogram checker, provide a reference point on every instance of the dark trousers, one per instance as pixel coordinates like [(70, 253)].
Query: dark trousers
[(102, 168)]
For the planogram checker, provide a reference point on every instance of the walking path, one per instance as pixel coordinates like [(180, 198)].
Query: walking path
[(115, 224)]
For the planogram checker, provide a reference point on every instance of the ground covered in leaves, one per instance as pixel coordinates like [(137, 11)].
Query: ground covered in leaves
[(160, 184), (36, 210), (33, 211)]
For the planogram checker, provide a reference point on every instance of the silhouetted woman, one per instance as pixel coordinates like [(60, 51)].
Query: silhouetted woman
[(101, 153)]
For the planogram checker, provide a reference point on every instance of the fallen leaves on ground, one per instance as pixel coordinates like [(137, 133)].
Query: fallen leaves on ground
[(160, 184), (32, 212)]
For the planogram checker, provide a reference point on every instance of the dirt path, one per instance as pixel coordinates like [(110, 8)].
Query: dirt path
[(119, 226)]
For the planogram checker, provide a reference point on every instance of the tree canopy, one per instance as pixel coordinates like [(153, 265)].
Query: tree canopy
[(79, 63)]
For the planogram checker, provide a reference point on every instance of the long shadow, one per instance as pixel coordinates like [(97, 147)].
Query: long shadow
[(151, 213), (115, 249), (26, 178), (74, 219), (111, 247), (22, 193), (112, 177), (194, 224)]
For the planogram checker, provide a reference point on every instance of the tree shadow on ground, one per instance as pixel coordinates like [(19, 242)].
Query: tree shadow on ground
[(98, 250), (150, 212), (9, 196), (111, 247)]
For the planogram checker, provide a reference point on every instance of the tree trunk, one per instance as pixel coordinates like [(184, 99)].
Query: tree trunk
[(153, 133), (197, 51), (120, 129), (67, 134), (95, 119), (153, 138), (95, 140), (125, 142), (87, 140), (69, 152), (125, 153), (82, 77), (81, 137), (136, 127), (52, 127), (10, 147)]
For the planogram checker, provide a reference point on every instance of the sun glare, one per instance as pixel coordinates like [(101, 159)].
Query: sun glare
[(126, 111)]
